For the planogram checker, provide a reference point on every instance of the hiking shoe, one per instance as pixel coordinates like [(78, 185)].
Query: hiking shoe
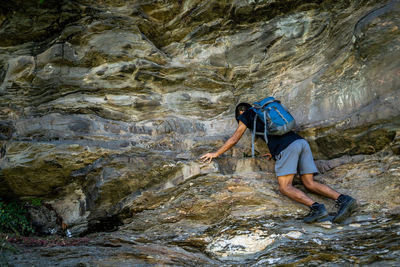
[(346, 205), (317, 212)]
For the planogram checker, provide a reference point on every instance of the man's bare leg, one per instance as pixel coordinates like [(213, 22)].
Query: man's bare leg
[(321, 189), (317, 211), (346, 203), (286, 188)]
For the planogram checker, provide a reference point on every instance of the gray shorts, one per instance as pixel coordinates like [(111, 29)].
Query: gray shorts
[(296, 158)]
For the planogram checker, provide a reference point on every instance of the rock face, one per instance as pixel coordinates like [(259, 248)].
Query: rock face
[(105, 106)]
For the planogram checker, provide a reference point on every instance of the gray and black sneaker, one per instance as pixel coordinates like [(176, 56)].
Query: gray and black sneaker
[(346, 205), (317, 212)]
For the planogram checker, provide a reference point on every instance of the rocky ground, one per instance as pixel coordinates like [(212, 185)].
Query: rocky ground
[(106, 106), (239, 218)]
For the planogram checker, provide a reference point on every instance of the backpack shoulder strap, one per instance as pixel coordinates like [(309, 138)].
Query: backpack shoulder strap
[(253, 134)]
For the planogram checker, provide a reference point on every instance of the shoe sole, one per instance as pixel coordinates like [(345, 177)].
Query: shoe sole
[(328, 218), (346, 213), (319, 218)]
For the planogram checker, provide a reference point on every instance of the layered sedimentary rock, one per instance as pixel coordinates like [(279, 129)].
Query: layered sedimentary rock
[(105, 106)]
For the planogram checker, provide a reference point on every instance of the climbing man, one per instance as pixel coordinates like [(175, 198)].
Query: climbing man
[(292, 155)]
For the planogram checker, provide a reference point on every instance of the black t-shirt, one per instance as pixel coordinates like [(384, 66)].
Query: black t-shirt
[(276, 143)]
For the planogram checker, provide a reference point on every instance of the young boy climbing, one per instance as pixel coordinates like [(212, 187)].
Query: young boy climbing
[(292, 155)]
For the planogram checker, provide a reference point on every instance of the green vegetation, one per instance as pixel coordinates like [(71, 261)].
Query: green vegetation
[(14, 218), (36, 202)]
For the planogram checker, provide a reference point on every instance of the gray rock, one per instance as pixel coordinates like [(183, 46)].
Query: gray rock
[(105, 108)]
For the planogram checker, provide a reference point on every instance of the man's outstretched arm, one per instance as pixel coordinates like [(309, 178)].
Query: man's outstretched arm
[(228, 144)]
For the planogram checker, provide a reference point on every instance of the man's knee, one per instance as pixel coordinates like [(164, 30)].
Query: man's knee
[(285, 189), (285, 183), (308, 181), (310, 185), (282, 189)]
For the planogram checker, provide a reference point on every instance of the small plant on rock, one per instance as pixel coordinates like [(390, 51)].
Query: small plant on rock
[(36, 202), (13, 218)]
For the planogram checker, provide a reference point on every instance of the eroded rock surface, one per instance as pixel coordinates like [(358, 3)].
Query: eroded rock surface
[(105, 107)]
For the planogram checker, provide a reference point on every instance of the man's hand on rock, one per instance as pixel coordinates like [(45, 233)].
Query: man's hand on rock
[(268, 155), (208, 157)]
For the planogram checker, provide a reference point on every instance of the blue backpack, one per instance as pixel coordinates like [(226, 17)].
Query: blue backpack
[(277, 119)]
